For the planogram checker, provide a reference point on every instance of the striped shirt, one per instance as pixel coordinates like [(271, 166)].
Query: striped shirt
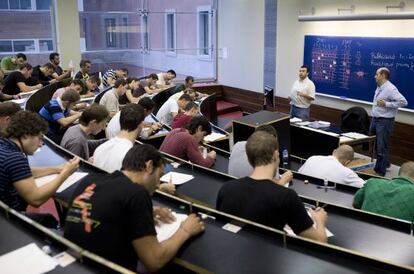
[(52, 112), (13, 167), (109, 74)]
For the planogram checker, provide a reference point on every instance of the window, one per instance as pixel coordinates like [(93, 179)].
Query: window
[(203, 31), (43, 4), (110, 32), (170, 31), (124, 33), (16, 4), (27, 45), (144, 33)]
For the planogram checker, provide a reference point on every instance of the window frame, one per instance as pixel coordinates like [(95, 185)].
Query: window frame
[(168, 52), (36, 46), (112, 34)]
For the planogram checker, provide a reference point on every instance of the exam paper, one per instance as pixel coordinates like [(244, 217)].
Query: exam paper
[(76, 176), (176, 178), (29, 259), (354, 135), (165, 231), (213, 136)]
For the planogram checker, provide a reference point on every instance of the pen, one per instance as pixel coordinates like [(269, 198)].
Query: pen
[(204, 216), (320, 207)]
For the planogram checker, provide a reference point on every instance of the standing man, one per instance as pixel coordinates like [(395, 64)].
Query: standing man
[(387, 100), (303, 93)]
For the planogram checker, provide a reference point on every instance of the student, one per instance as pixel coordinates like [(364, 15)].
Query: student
[(59, 74), (333, 167), (171, 107), (15, 82), (128, 97), (121, 204), (43, 74), (239, 165), (182, 119), (76, 85), (59, 114), (184, 142), (147, 86), (7, 110), (24, 136), (92, 86), (165, 78), (188, 83), (148, 128), (85, 70), (13, 63), (392, 198), (110, 76), (91, 122), (258, 198), (111, 98), (193, 94)]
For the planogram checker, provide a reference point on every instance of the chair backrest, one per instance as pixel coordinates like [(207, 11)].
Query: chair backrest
[(161, 98), (355, 119), (38, 99)]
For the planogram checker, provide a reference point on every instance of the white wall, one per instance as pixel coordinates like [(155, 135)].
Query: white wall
[(241, 31), (290, 40)]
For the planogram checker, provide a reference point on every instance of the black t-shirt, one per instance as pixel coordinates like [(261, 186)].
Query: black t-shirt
[(118, 211), (38, 75), (264, 202), (10, 83)]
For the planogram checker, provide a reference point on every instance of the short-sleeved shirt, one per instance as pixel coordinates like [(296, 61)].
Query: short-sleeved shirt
[(109, 155), (52, 112), (58, 69), (58, 93), (38, 75), (181, 120), (119, 211), (265, 202), (81, 76), (7, 64), (305, 85), (110, 101), (13, 167), (393, 198), (109, 74), (76, 141), (164, 114), (239, 165), (10, 83), (141, 89)]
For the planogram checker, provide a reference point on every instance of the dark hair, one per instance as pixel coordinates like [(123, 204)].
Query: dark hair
[(132, 79), (267, 128), (146, 103), (83, 62), (138, 155), (185, 97), (131, 117), (190, 105), (199, 121), (152, 76), (93, 112), (260, 148), (120, 82), (25, 123), (25, 66), (94, 79), (78, 82), (172, 72), (49, 66), (8, 109), (305, 67), (124, 70), (189, 78), (21, 55), (70, 96), (53, 55)]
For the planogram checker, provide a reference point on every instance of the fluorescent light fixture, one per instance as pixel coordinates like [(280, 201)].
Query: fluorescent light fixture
[(362, 16)]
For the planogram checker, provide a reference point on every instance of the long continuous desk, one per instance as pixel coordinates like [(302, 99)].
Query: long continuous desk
[(256, 249)]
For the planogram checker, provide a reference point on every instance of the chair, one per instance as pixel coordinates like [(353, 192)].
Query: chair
[(355, 119)]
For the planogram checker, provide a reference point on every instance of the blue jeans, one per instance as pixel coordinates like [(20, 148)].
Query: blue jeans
[(382, 128), (302, 113)]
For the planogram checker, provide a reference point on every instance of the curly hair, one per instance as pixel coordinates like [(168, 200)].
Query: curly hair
[(25, 123)]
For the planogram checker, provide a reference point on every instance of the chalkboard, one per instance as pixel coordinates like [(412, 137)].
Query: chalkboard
[(346, 66)]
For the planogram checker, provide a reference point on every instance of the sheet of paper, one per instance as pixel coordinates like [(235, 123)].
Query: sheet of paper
[(165, 231), (176, 178), (354, 135), (29, 259), (213, 136), (344, 139), (64, 259), (295, 120), (76, 176)]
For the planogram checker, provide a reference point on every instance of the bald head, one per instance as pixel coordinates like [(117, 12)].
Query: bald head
[(407, 170), (344, 154)]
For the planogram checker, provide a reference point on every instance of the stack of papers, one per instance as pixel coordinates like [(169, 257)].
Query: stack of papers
[(176, 178), (29, 259), (213, 137), (354, 135), (295, 120), (75, 177), (165, 231)]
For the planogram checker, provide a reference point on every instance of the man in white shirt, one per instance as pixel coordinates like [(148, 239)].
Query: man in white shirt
[(165, 78), (170, 108), (302, 94), (110, 100), (333, 167), (109, 155)]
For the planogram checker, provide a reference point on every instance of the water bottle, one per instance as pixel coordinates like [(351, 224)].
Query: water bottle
[(285, 157)]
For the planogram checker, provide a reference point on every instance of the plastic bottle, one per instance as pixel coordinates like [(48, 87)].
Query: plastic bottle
[(285, 157)]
